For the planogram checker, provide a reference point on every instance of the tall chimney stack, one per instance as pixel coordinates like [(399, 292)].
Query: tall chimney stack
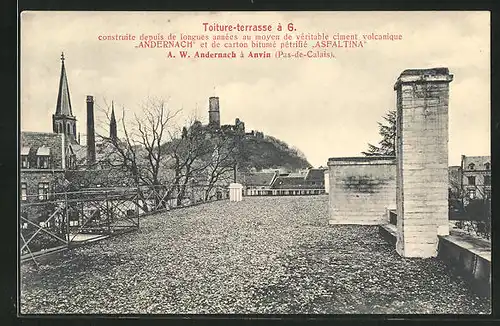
[(90, 131)]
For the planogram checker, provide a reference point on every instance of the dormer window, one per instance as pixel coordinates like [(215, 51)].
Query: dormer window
[(487, 165), (24, 157), (43, 157), (472, 166)]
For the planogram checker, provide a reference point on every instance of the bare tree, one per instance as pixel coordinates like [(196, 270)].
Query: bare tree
[(140, 152), (186, 150), (222, 162)]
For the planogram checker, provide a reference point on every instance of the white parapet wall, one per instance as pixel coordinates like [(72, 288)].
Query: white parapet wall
[(361, 189)]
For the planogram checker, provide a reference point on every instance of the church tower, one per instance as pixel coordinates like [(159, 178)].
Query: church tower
[(112, 124), (63, 120)]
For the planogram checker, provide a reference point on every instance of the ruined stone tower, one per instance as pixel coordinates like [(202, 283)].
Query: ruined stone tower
[(213, 112)]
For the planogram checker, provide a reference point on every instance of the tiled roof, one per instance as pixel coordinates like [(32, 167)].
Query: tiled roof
[(259, 179), (315, 174), (43, 143), (478, 161), (300, 174), (289, 182)]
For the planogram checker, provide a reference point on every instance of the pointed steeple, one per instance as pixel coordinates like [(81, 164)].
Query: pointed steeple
[(112, 123), (63, 120), (63, 106)]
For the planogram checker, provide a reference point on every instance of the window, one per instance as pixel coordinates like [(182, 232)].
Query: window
[(24, 162), (24, 193), (487, 180), (43, 157), (43, 162), (487, 165), (487, 193), (471, 180), (471, 166), (43, 190), (471, 193), (25, 151)]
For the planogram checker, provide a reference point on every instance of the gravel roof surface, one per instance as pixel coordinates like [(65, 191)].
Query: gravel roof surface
[(272, 255)]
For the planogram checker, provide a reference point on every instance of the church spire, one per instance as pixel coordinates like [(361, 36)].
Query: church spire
[(63, 106), (63, 120), (112, 123)]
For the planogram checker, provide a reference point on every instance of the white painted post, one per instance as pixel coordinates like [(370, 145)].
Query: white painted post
[(235, 192)]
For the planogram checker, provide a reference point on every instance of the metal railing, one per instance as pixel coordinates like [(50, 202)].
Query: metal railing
[(51, 222), (283, 192), (472, 215)]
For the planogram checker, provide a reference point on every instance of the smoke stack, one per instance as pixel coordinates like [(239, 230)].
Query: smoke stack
[(213, 112), (90, 131)]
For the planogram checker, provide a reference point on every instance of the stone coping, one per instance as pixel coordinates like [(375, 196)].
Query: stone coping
[(424, 75), (362, 160), (475, 245), (478, 247), (391, 229)]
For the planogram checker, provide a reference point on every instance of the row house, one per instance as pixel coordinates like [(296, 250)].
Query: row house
[(476, 176), (305, 182), (44, 159)]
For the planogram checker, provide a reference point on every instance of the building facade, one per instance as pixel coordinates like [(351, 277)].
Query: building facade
[(278, 183), (476, 177), (55, 161), (44, 159), (258, 183), (45, 156)]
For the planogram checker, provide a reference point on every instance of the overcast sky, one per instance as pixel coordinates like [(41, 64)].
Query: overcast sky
[(324, 107)]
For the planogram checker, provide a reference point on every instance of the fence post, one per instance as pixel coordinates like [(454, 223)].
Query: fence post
[(66, 216), (108, 220), (137, 206)]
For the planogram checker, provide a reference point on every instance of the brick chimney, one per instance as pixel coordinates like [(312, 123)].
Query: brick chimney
[(90, 131)]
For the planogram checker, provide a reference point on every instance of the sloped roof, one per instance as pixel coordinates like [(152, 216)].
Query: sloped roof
[(43, 143), (79, 151), (289, 182), (104, 151), (315, 174), (259, 179), (63, 106), (300, 174), (478, 161)]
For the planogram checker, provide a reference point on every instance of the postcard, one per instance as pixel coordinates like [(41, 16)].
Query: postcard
[(254, 163)]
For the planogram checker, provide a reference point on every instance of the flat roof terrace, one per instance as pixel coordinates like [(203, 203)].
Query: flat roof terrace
[(270, 255)]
